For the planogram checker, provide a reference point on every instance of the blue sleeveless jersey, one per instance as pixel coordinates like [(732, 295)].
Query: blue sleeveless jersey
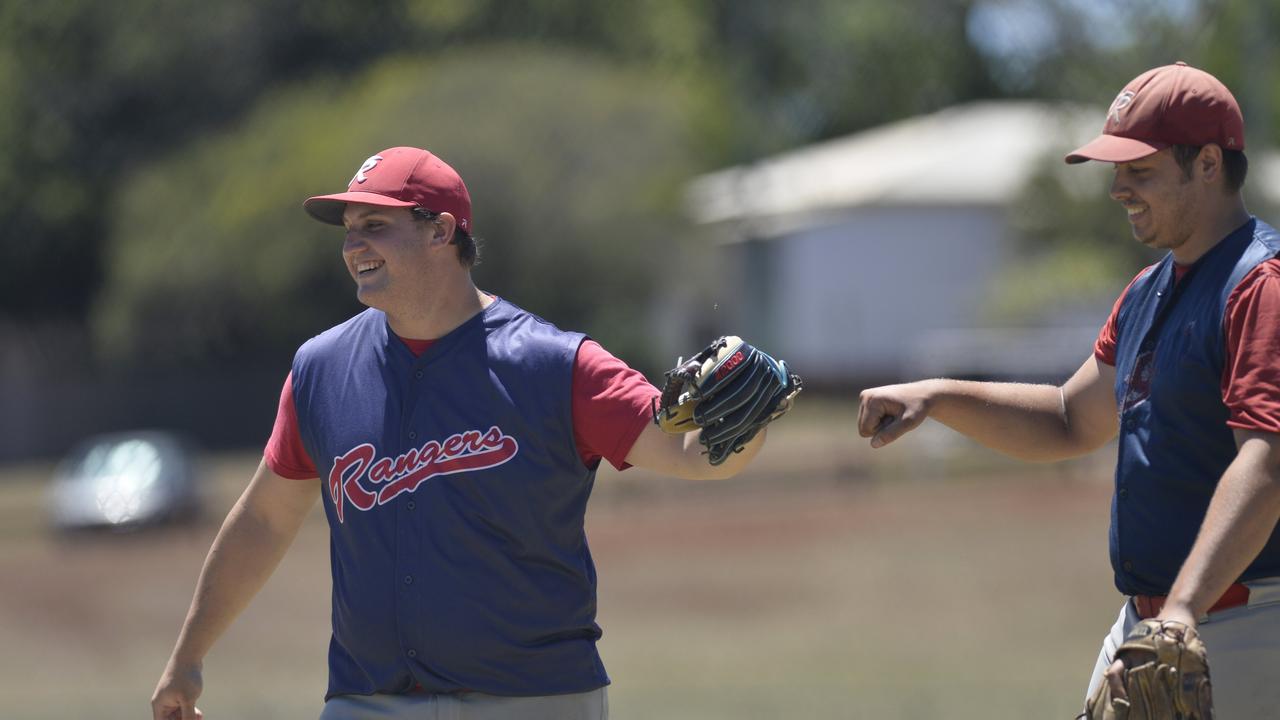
[(455, 498), (1174, 442)]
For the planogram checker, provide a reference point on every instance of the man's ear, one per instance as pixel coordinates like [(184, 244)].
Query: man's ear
[(442, 229), (1209, 163)]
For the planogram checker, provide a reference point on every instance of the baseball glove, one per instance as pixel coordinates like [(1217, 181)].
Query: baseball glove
[(1166, 677), (730, 390)]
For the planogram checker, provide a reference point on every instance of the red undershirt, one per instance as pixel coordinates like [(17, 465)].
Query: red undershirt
[(1251, 377), (611, 406)]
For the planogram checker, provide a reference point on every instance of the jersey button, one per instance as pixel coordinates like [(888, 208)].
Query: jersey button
[(1127, 565), (412, 505), (1124, 493), (408, 579), (418, 374), (412, 653), (413, 435)]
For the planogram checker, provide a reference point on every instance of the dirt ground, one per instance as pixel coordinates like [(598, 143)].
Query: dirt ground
[(919, 581)]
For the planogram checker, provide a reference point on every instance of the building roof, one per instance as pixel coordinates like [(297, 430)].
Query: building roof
[(977, 153)]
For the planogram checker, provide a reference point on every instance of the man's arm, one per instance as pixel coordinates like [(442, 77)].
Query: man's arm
[(1030, 422), (1241, 517), (254, 537), (683, 456)]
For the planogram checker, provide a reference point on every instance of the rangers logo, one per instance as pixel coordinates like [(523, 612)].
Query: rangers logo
[(1122, 101), (360, 467), (368, 165)]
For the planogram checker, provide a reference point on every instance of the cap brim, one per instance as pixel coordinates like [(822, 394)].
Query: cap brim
[(1113, 148), (329, 208)]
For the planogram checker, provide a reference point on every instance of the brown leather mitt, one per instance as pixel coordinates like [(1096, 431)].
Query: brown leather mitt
[(1166, 677)]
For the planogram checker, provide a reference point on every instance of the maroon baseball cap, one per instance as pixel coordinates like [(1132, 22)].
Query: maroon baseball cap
[(1170, 105), (399, 177)]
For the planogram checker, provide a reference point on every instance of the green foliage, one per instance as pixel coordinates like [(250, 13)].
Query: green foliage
[(575, 168), (1073, 247), (92, 89), (1072, 244), (818, 69), (92, 94)]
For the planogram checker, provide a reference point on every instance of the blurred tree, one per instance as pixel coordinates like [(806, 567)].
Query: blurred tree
[(92, 89), (575, 165), (1074, 251), (822, 68), (784, 73), (1074, 247), (1073, 50)]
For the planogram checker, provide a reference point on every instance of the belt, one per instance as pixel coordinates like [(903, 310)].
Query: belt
[(1149, 606)]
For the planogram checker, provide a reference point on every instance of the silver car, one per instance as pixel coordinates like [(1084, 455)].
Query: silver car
[(125, 481)]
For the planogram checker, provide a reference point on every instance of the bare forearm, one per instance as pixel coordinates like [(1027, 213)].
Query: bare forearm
[(1031, 422), (696, 466), (254, 537), (242, 557), (683, 456), (1025, 421)]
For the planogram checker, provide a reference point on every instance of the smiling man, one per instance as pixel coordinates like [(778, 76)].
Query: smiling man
[(1185, 373), (455, 437)]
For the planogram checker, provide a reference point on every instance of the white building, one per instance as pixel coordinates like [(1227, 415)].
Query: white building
[(872, 256)]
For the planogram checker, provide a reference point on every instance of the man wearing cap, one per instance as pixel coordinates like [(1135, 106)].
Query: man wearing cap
[(1184, 372), (455, 437)]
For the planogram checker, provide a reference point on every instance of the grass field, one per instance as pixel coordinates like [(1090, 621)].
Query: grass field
[(917, 581)]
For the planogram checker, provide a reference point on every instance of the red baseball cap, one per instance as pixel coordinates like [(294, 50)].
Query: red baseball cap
[(1170, 105), (399, 177)]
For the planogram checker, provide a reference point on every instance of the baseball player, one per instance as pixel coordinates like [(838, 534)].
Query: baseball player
[(455, 438), (1184, 372)]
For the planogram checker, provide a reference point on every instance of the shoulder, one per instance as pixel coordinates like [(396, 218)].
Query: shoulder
[(1265, 272), (1266, 236), (513, 328), (504, 312), (1144, 275), (370, 320), (1262, 281), (520, 342)]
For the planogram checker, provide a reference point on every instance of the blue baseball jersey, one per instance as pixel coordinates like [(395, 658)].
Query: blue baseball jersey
[(456, 499), (1174, 442)]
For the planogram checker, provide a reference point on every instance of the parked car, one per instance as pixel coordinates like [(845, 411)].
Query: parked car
[(125, 481)]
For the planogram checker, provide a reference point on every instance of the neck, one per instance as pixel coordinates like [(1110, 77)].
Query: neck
[(442, 307), (1219, 223)]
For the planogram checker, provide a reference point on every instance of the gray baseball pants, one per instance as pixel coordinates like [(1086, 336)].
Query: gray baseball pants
[(1243, 644)]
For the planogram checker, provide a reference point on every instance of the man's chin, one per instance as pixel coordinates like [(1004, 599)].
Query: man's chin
[(1150, 241), (370, 297)]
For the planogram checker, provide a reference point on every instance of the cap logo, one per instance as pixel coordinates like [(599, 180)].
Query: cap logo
[(1122, 101), (368, 165)]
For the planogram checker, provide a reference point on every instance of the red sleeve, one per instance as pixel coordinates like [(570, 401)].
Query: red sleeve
[(1251, 379), (1104, 348), (285, 454), (612, 404)]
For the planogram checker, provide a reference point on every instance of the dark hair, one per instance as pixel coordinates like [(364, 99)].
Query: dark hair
[(1235, 166), (468, 247)]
